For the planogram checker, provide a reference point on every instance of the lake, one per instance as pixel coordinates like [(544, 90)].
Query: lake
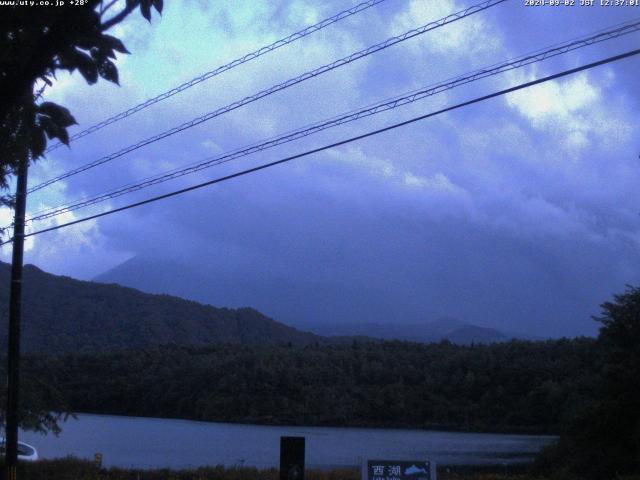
[(155, 442)]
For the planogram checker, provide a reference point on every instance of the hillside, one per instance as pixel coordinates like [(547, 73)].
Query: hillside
[(61, 314), (322, 308), (296, 299)]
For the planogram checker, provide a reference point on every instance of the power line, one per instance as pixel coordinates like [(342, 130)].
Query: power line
[(374, 109), (223, 68), (345, 118), (276, 88), (337, 144)]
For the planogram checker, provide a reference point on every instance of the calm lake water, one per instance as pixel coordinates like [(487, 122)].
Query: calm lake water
[(155, 443)]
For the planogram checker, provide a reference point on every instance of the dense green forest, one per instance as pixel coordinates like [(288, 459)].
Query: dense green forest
[(515, 386)]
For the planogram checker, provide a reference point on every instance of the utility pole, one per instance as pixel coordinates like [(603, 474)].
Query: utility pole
[(15, 312)]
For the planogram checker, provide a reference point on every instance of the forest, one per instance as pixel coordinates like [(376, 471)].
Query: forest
[(516, 386), (583, 389)]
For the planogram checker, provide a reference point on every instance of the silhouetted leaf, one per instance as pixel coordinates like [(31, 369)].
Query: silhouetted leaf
[(114, 43), (145, 8), (101, 53), (54, 130), (89, 72), (86, 65), (86, 43), (63, 135), (109, 71), (96, 54), (60, 115), (38, 142), (159, 5)]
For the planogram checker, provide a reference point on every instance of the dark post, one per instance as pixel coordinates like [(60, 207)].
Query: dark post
[(15, 310), (291, 458)]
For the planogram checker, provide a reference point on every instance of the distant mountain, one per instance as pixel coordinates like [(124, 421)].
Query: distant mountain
[(294, 296), (61, 314), (445, 328), (473, 334), (314, 306)]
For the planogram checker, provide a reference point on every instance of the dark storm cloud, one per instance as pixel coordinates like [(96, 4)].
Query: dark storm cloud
[(519, 213)]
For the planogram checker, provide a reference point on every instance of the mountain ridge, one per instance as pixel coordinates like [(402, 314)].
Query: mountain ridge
[(62, 314), (227, 288), (459, 332)]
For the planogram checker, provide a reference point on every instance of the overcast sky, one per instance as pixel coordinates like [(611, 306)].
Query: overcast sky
[(519, 213)]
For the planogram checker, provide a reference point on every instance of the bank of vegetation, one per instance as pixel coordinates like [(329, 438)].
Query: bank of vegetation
[(515, 386), (67, 469), (74, 469)]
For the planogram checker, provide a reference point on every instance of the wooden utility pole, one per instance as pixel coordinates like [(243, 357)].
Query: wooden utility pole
[(15, 313)]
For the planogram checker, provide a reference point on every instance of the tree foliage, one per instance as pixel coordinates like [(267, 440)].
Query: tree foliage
[(515, 386), (35, 43), (603, 440), (42, 404)]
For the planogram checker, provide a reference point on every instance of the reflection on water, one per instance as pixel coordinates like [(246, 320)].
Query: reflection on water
[(155, 442)]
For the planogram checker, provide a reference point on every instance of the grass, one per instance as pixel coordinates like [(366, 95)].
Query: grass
[(75, 469)]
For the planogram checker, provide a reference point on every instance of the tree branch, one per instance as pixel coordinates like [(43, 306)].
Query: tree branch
[(104, 9), (119, 17)]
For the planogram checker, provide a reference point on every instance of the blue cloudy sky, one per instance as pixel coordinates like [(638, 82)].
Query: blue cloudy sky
[(519, 213)]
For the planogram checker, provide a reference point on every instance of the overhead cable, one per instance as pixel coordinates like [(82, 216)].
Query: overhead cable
[(221, 69), (337, 144), (370, 110), (276, 88)]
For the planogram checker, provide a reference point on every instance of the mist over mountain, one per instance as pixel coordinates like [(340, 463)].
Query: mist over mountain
[(61, 314), (324, 308), (445, 328), (298, 300)]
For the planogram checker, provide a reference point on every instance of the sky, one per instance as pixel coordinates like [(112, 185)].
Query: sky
[(519, 213)]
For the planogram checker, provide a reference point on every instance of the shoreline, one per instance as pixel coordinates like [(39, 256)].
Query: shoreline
[(440, 428)]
